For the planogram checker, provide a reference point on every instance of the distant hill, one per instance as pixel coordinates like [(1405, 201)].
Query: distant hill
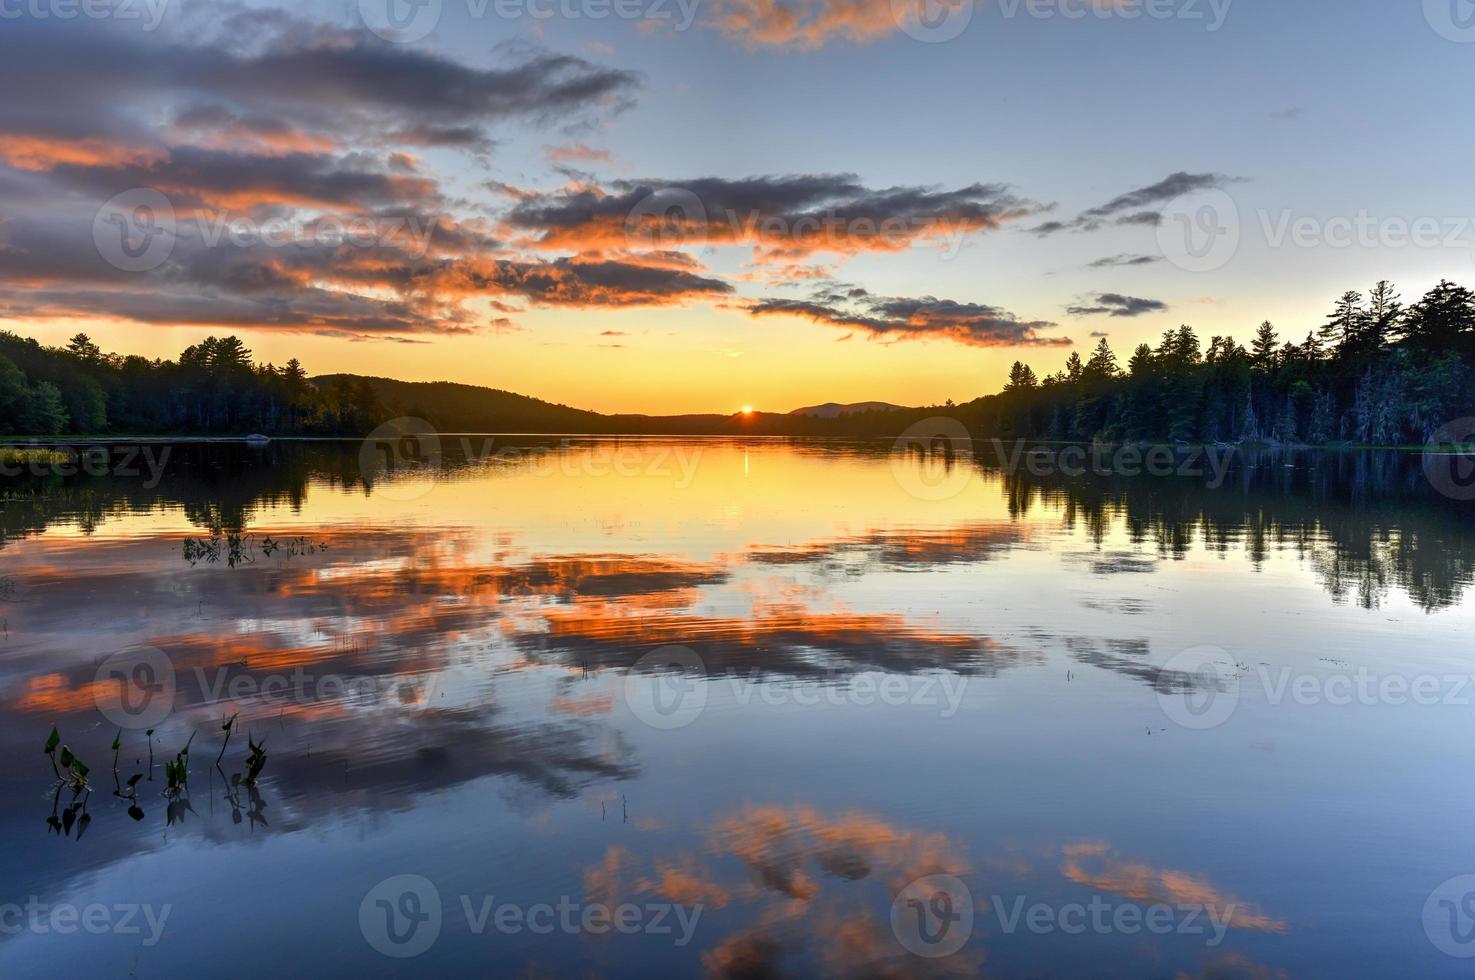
[(834, 410), (454, 407)]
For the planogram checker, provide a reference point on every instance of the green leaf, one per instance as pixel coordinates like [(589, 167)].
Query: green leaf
[(66, 757), (52, 741), (117, 740)]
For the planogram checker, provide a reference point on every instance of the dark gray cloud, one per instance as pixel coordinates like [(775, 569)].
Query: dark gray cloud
[(1115, 304), (793, 214), (93, 79), (1135, 206), (258, 118), (1124, 259), (925, 318)]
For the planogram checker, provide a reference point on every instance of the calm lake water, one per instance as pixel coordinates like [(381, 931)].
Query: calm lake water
[(644, 708)]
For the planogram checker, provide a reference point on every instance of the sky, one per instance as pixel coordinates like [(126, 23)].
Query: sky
[(672, 206)]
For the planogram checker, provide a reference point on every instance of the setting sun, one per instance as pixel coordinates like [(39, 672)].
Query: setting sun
[(747, 409)]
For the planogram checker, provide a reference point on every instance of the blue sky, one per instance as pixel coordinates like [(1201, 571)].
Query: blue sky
[(1315, 112)]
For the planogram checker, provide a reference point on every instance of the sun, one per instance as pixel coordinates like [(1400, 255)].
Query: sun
[(747, 409)]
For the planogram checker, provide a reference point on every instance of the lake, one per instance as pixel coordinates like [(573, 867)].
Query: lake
[(534, 706)]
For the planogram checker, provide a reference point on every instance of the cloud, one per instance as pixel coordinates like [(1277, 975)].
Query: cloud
[(802, 25), (575, 153), (1135, 206), (1096, 865), (896, 318), (261, 120), (781, 217), (1124, 259), (1115, 304)]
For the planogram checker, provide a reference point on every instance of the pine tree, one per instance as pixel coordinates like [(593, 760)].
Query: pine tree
[(1343, 325), (1263, 349)]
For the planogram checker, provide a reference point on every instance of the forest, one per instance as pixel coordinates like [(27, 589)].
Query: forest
[(1373, 372), (215, 388)]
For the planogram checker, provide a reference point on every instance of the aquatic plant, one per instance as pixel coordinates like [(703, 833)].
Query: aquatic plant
[(177, 772), (255, 761), (64, 764), (226, 727)]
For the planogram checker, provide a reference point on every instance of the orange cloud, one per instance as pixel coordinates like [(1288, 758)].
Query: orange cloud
[(1096, 865)]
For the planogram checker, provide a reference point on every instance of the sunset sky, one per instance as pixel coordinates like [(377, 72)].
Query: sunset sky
[(862, 203)]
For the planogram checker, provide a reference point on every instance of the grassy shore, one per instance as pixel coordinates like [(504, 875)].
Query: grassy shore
[(16, 456)]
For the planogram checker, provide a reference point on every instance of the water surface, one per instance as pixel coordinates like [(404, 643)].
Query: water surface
[(767, 685)]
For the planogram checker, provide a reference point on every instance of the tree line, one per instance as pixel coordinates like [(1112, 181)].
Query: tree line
[(1375, 372), (213, 388)]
